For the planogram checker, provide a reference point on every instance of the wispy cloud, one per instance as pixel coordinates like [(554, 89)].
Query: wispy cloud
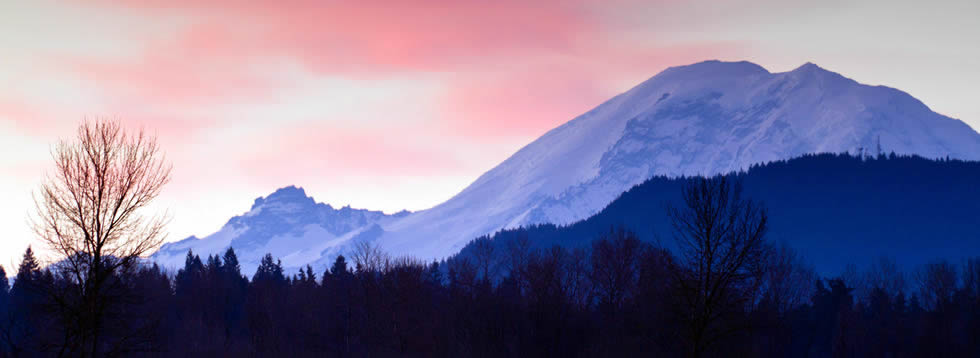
[(364, 98)]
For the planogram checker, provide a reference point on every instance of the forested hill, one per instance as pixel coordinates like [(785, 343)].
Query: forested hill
[(834, 209)]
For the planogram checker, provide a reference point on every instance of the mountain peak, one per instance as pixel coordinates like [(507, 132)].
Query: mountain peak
[(290, 193), (810, 67), (720, 117), (290, 190), (809, 64), (811, 72), (716, 68)]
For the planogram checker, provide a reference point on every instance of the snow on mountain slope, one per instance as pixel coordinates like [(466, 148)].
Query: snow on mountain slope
[(706, 118), (288, 224)]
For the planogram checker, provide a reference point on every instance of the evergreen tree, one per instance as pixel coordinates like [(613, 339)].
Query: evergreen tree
[(231, 262), (192, 263), (4, 306), (234, 287), (4, 283), (190, 275), (434, 276), (310, 276), (269, 271), (28, 273), (214, 264), (27, 307), (339, 266)]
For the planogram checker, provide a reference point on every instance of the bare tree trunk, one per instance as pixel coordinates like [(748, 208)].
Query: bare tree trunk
[(722, 254), (89, 213)]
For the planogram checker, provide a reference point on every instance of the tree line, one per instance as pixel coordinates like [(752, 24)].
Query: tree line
[(722, 289), (835, 208), (725, 290)]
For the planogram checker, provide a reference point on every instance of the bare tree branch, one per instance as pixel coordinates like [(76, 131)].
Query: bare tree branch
[(89, 212), (722, 255)]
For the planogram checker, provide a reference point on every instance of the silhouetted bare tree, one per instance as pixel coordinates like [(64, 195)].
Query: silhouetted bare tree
[(938, 282), (787, 282), (971, 277), (486, 258), (884, 274), (722, 255), (616, 268), (369, 257), (89, 212)]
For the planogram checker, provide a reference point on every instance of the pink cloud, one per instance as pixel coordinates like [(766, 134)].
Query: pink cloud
[(23, 115), (322, 150), (218, 58), (178, 73), (375, 35), (53, 122), (512, 68), (520, 103), (533, 99)]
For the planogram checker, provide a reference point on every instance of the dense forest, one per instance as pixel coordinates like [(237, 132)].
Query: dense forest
[(616, 300), (837, 209), (724, 289)]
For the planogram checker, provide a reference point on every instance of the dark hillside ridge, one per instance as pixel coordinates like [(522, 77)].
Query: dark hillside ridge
[(834, 209)]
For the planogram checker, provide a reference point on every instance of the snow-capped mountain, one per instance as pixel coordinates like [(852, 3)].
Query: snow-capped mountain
[(288, 224), (706, 118)]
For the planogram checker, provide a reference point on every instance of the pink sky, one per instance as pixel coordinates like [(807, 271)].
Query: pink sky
[(400, 104)]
